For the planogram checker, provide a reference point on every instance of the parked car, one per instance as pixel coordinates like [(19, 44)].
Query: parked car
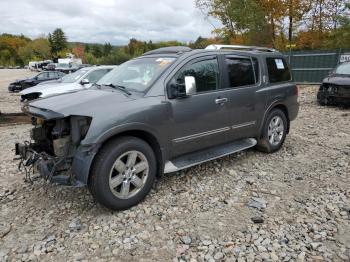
[(79, 80), (50, 67), (19, 85), (335, 88), (165, 111)]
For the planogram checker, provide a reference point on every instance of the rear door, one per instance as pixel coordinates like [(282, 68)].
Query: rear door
[(246, 104)]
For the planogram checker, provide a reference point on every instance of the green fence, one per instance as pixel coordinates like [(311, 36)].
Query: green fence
[(311, 67)]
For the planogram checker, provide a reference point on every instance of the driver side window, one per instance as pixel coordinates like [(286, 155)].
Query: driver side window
[(42, 76), (206, 73)]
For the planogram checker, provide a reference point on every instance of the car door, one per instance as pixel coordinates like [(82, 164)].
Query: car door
[(245, 102), (201, 120)]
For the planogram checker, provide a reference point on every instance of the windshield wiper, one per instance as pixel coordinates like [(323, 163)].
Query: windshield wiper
[(121, 88)]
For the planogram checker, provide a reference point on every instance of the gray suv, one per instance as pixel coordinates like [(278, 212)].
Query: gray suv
[(165, 111)]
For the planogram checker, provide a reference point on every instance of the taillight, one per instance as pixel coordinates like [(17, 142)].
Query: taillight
[(297, 91)]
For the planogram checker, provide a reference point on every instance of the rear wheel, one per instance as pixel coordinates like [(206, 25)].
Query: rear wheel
[(123, 173), (274, 132)]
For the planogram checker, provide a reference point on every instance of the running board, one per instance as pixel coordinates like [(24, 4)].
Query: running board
[(200, 157)]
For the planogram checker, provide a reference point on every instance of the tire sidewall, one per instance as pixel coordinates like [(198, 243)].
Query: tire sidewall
[(104, 165)]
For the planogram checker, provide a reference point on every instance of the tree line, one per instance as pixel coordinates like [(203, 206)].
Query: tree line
[(282, 24), (19, 49)]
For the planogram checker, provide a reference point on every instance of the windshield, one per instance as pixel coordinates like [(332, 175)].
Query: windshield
[(71, 78), (137, 75), (343, 69)]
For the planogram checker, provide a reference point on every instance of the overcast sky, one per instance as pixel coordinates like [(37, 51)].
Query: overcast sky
[(114, 21)]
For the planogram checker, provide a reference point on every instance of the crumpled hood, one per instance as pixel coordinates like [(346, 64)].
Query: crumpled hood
[(87, 102), (337, 80), (51, 89)]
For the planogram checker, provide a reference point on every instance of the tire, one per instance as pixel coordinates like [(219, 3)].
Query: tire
[(277, 130), (111, 178), (321, 99)]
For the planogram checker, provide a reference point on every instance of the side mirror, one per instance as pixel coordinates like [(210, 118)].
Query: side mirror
[(85, 81), (180, 90), (190, 85)]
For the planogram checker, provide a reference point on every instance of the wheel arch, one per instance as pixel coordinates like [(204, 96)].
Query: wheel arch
[(145, 135), (277, 105)]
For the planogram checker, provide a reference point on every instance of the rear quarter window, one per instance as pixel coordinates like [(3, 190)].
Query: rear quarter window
[(278, 70)]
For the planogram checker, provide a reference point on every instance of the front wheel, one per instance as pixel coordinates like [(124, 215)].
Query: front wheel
[(123, 173), (274, 132)]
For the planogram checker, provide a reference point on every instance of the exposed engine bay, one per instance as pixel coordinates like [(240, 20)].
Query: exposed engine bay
[(52, 148)]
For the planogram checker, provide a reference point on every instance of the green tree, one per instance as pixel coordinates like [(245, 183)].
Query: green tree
[(239, 17), (58, 41), (107, 48), (97, 51)]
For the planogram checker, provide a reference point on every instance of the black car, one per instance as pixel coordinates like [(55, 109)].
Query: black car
[(19, 85), (335, 89)]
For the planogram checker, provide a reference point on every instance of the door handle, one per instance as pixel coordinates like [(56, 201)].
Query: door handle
[(221, 101)]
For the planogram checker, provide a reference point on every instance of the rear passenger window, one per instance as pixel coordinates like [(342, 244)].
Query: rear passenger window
[(278, 70), (240, 71)]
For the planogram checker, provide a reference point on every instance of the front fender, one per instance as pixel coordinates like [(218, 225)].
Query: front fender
[(135, 126), (86, 153)]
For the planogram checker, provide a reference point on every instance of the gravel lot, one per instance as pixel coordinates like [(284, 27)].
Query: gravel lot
[(9, 102), (293, 205)]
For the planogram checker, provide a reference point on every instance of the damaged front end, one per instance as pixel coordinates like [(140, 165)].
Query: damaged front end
[(54, 144), (332, 94)]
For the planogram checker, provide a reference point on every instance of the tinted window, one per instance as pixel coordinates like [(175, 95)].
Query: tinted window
[(53, 75), (96, 75), (278, 70), (43, 76), (205, 72), (240, 71)]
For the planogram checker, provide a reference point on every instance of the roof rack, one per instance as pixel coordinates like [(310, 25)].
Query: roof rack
[(169, 50), (240, 47)]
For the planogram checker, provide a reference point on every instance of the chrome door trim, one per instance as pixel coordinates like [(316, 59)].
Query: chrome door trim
[(244, 125), (195, 136)]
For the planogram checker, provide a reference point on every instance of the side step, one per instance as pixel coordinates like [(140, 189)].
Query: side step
[(199, 157)]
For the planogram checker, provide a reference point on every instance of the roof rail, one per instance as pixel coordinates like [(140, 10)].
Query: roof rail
[(240, 47), (169, 50)]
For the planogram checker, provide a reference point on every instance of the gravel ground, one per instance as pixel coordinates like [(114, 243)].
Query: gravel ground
[(293, 205), (9, 102)]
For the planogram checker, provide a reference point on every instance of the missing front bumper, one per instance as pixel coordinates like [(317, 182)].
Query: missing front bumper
[(51, 169)]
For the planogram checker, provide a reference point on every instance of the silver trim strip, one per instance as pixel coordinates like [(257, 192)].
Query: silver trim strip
[(244, 125), (195, 136), (212, 132)]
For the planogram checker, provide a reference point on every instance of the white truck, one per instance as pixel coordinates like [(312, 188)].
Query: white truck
[(68, 65)]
